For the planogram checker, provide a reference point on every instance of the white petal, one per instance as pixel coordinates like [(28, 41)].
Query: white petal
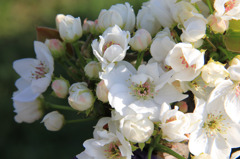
[(220, 149), (235, 155), (198, 142), (40, 85), (26, 95), (114, 53), (21, 84), (232, 135)]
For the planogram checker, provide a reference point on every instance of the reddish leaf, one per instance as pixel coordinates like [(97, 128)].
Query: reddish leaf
[(44, 33)]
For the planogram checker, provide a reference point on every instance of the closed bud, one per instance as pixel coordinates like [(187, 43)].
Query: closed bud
[(70, 28), (56, 47), (141, 40), (60, 87), (92, 69), (102, 92), (217, 24), (53, 121), (81, 98), (89, 26), (183, 107), (58, 19)]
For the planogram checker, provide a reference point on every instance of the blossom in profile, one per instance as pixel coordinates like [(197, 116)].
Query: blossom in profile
[(111, 47), (36, 74), (120, 14)]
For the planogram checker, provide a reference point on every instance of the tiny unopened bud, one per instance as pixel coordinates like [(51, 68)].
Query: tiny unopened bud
[(102, 92), (89, 26), (217, 24), (92, 69), (141, 40), (60, 87), (81, 98), (53, 121), (58, 19), (183, 107), (56, 47)]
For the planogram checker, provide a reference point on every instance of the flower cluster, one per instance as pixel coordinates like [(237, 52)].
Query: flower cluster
[(167, 77)]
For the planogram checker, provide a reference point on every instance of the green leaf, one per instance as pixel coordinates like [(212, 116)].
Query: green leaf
[(44, 33), (141, 145), (234, 25), (232, 40), (133, 147)]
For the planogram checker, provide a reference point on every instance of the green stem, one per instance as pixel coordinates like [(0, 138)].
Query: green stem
[(213, 46), (80, 57), (79, 120), (163, 148), (153, 144), (139, 59), (61, 107), (210, 6)]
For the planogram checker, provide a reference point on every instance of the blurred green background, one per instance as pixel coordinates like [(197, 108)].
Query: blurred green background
[(18, 20)]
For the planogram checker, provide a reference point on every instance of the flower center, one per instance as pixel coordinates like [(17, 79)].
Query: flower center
[(184, 62), (229, 5), (112, 150), (173, 118), (142, 91), (40, 70), (214, 124), (107, 45)]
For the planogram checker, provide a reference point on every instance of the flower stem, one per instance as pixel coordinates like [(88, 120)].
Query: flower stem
[(61, 107), (209, 6), (160, 147), (139, 59), (213, 46), (153, 145), (80, 57), (79, 120)]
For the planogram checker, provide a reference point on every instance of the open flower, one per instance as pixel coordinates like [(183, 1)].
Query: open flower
[(36, 74), (228, 9), (217, 133), (186, 61), (112, 46)]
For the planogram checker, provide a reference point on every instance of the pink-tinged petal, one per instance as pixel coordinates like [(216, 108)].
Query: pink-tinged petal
[(25, 67)]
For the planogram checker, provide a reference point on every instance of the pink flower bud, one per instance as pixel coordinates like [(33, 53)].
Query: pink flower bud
[(60, 87), (89, 26), (141, 40), (183, 107), (102, 92), (56, 47), (217, 24)]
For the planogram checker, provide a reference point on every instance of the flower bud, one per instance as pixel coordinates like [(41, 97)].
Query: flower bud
[(136, 128), (102, 92), (70, 28), (53, 121), (56, 47), (58, 19), (183, 107), (89, 26), (60, 87), (141, 40), (81, 98), (213, 73), (92, 69), (217, 24)]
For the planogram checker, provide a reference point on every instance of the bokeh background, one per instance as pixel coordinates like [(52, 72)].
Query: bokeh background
[(18, 20)]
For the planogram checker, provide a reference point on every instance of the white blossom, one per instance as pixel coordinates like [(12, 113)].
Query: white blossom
[(228, 9), (53, 121)]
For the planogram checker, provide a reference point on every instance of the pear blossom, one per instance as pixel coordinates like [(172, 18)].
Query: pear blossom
[(119, 14), (218, 24), (228, 9), (53, 121), (56, 47), (112, 47), (185, 61), (141, 92), (141, 40), (217, 133), (176, 125), (60, 87), (161, 45), (194, 28), (161, 9), (136, 128), (28, 112), (102, 92), (213, 73), (70, 28), (146, 20), (92, 69), (36, 74), (81, 98)]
